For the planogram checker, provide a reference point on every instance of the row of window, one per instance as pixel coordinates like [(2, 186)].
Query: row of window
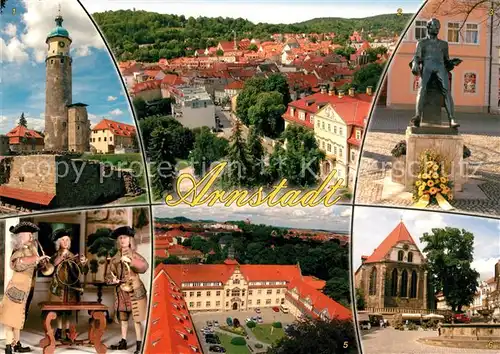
[(469, 34), (340, 131), (217, 303), (469, 83), (401, 256), (92, 140), (402, 290), (234, 292), (328, 147)]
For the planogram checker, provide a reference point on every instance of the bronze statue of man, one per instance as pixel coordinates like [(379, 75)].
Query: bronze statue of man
[(432, 59)]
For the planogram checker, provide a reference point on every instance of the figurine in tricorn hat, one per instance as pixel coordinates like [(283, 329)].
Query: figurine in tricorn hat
[(24, 262), (130, 294), (65, 285)]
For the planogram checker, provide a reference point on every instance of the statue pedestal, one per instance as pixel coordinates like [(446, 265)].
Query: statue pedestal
[(449, 146)]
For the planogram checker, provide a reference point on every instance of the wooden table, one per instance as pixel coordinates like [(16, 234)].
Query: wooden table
[(97, 325), (100, 285)]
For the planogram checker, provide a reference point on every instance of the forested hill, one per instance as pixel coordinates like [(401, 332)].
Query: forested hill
[(147, 36)]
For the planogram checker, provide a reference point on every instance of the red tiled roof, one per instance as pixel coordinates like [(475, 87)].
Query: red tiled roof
[(316, 283), (320, 302), (171, 79), (235, 85), (116, 128), (353, 113), (171, 329), (19, 132), (146, 85), (399, 234), (180, 250), (34, 197)]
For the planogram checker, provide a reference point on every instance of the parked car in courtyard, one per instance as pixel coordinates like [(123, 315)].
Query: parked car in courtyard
[(259, 319), (236, 322), (276, 309), (212, 340), (217, 349), (257, 310), (284, 309), (209, 323), (461, 318), (216, 323)]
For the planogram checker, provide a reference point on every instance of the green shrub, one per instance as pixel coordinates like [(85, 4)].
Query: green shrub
[(238, 330), (238, 341), (412, 326), (277, 325), (251, 324)]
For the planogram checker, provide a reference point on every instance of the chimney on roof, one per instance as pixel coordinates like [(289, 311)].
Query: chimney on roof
[(341, 93), (323, 89), (331, 92), (351, 91), (369, 90), (363, 259)]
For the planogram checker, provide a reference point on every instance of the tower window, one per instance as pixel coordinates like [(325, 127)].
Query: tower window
[(104, 138), (78, 128), (62, 60), (64, 124), (52, 61)]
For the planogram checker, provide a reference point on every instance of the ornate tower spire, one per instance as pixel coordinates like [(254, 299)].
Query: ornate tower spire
[(59, 19)]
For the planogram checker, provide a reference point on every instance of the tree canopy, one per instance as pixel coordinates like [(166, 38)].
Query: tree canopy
[(148, 36), (449, 253)]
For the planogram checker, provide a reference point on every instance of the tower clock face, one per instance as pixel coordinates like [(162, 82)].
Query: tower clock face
[(61, 44)]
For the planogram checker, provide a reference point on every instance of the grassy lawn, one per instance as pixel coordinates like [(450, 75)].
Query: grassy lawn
[(263, 333), (143, 198), (121, 160), (225, 341)]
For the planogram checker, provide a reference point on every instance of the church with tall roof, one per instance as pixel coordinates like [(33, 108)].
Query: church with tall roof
[(67, 127), (394, 275)]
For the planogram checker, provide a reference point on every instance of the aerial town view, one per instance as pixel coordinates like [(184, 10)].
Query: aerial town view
[(426, 282), (226, 89), (58, 151), (243, 286), (461, 129)]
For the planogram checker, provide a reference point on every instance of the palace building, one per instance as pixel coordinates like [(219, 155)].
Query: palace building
[(179, 289), (393, 276)]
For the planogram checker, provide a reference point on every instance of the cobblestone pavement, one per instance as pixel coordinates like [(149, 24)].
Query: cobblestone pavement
[(391, 341), (483, 165)]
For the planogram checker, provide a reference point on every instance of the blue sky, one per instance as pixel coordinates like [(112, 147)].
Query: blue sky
[(269, 11), (22, 44), (336, 218), (365, 237)]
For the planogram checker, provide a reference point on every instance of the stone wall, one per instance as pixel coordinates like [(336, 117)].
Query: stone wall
[(75, 183), (86, 183)]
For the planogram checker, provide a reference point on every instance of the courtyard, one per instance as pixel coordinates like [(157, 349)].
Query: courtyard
[(261, 334), (481, 133), (391, 341)]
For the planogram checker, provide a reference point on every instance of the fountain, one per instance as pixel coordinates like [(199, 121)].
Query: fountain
[(479, 335)]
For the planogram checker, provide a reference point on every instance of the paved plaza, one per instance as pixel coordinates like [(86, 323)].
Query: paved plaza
[(481, 135), (391, 341), (268, 316)]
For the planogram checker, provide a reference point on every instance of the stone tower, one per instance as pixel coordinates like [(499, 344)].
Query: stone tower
[(58, 87), (78, 128)]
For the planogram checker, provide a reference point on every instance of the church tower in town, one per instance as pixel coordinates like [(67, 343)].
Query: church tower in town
[(58, 93)]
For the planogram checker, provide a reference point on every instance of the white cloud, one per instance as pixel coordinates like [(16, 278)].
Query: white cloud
[(13, 50), (10, 30), (39, 20), (112, 98), (94, 119), (116, 112)]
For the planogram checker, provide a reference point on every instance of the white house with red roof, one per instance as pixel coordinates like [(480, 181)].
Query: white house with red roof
[(338, 121), (393, 278), (108, 136), (233, 286)]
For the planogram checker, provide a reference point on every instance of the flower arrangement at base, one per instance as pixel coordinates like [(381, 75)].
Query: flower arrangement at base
[(432, 185)]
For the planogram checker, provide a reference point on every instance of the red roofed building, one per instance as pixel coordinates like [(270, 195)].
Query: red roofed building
[(393, 276), (109, 135), (231, 286), (24, 139), (147, 90), (171, 328)]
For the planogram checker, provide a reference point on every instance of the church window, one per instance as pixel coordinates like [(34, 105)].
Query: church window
[(64, 124), (78, 128), (404, 284), (394, 283), (373, 282), (400, 256), (413, 285), (410, 257)]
